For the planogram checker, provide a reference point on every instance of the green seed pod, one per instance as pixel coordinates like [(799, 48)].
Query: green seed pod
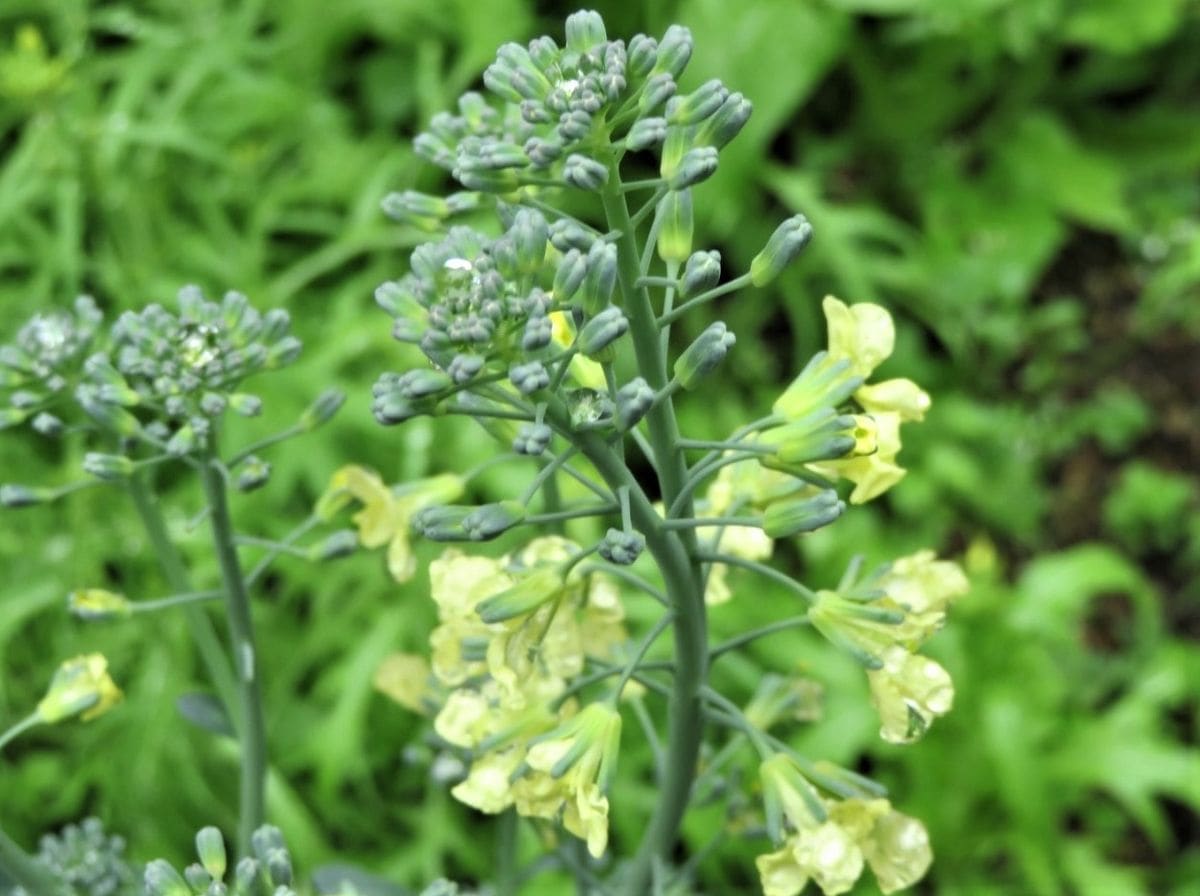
[(585, 173), (704, 355), (783, 519), (784, 245), (675, 226), (597, 335), (701, 273)]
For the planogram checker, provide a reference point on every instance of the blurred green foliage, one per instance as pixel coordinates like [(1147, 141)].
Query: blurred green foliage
[(1016, 179)]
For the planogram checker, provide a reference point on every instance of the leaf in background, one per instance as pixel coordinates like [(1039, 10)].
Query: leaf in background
[(1121, 26), (205, 712)]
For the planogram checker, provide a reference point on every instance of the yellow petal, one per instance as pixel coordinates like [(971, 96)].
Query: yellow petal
[(899, 396), (863, 333)]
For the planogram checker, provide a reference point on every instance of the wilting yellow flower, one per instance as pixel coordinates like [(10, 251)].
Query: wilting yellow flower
[(96, 603), (82, 687), (385, 513), (404, 677), (909, 692), (581, 755), (896, 846), (925, 587), (488, 786)]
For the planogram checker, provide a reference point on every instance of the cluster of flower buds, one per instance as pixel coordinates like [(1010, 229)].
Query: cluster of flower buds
[(84, 858), (267, 870), (560, 109), (42, 365)]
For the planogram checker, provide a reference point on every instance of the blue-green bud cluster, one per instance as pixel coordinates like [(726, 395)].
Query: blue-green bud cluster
[(267, 870), (84, 858)]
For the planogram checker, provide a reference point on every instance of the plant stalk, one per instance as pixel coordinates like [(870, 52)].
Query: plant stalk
[(24, 871), (241, 631)]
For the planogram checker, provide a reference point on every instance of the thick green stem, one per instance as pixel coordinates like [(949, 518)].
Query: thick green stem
[(685, 719), (241, 632), (24, 871), (212, 654)]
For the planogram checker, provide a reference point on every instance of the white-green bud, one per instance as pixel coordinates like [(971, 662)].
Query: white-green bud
[(210, 847), (246, 405), (788, 517), (13, 496), (585, 173), (726, 123), (704, 355), (108, 467), (634, 399), (585, 30), (697, 164), (47, 424), (674, 51), (701, 273), (675, 227), (784, 245), (529, 377), (490, 520), (532, 439), (646, 132), (659, 88), (322, 410), (642, 54), (252, 474), (198, 879), (418, 209), (569, 276), (601, 279), (622, 548), (697, 105), (530, 591), (442, 523), (597, 335), (161, 879), (529, 234), (423, 383)]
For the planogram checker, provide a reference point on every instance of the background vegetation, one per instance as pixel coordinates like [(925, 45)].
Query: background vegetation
[(1017, 180)]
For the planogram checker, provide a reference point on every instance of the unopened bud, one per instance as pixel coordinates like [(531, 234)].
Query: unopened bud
[(108, 467), (532, 439), (567, 233), (634, 399), (701, 273), (585, 30), (490, 520), (47, 424), (659, 88), (210, 847), (245, 405), (697, 105), (674, 51), (697, 164), (784, 245), (198, 879), (572, 269), (675, 226), (252, 474), (646, 132), (538, 332), (529, 234), (601, 279), (442, 522), (528, 593), (584, 173), (598, 334), (422, 383), (322, 409), (529, 377), (643, 53), (793, 516), (704, 355), (161, 879), (726, 123), (13, 496), (82, 687), (622, 548), (419, 209)]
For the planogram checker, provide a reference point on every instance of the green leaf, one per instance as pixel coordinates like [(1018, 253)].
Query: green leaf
[(205, 712)]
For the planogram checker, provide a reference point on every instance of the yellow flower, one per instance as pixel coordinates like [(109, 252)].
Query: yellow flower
[(581, 755), (896, 846), (872, 474), (925, 587), (909, 692), (385, 513), (488, 786), (404, 677), (82, 687)]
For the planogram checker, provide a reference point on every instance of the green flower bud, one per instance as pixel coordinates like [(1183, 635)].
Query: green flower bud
[(646, 132), (418, 209), (423, 383), (48, 425), (95, 604), (10, 417), (14, 496), (531, 590), (675, 226), (442, 523), (197, 878), (488, 181), (532, 439), (598, 334), (245, 405), (210, 847), (108, 467), (821, 435), (585, 173), (697, 164), (253, 473), (784, 245), (622, 548), (490, 520), (567, 233), (634, 399), (163, 880), (529, 377), (802, 514), (322, 409), (676, 143), (110, 416), (183, 442), (701, 273), (340, 544), (674, 51), (704, 355), (643, 54), (585, 30), (601, 279), (282, 353), (245, 875), (659, 88), (697, 105), (529, 234), (568, 277), (726, 123)]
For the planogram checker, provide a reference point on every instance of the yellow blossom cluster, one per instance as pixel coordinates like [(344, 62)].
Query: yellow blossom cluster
[(512, 632), (883, 622), (829, 842)]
